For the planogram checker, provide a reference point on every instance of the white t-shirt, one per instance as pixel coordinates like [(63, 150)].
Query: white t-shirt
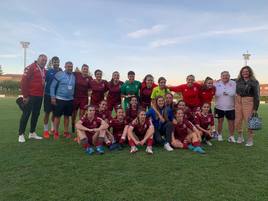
[(225, 95)]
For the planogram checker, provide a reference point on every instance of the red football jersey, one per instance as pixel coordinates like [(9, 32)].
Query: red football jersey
[(114, 93), (141, 129), (82, 85), (131, 114), (204, 121), (95, 123), (145, 96), (206, 95), (190, 94), (98, 91), (117, 127), (105, 115), (181, 130)]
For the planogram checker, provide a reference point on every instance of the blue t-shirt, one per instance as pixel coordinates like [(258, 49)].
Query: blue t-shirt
[(62, 86), (156, 121), (49, 78)]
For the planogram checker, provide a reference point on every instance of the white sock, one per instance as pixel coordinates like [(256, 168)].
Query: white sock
[(52, 125), (45, 127)]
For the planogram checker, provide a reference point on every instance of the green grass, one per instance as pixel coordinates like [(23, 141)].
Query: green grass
[(59, 170)]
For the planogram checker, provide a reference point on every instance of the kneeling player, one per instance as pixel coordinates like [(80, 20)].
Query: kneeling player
[(185, 135), (91, 131), (141, 131), (204, 121)]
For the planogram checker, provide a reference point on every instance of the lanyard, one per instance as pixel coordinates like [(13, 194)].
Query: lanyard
[(69, 78), (42, 73)]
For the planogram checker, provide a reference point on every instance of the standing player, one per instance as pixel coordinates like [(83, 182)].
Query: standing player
[(190, 93), (82, 86), (204, 121), (147, 87), (185, 135), (91, 131), (130, 88), (62, 95), (32, 89), (141, 131), (207, 91), (48, 107), (98, 87), (114, 92)]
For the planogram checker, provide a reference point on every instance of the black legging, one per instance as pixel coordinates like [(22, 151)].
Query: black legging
[(163, 134), (33, 106)]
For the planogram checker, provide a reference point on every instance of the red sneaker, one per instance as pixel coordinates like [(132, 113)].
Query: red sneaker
[(46, 134), (67, 135), (56, 135)]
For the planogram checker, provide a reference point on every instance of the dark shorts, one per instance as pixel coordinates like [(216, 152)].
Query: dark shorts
[(63, 107), (80, 103), (48, 107), (229, 114)]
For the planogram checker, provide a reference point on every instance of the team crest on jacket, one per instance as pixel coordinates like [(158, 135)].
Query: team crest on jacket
[(94, 123), (185, 90), (195, 89), (184, 126)]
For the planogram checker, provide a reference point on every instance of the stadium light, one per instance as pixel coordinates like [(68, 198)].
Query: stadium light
[(246, 57), (24, 45)]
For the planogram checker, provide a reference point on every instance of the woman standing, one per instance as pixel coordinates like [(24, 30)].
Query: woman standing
[(190, 93), (207, 91), (130, 88), (99, 87), (147, 87), (82, 87), (246, 101), (114, 92)]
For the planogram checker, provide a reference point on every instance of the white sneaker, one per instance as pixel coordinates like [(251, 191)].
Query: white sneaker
[(240, 139), (21, 138), (149, 150), (34, 136), (133, 149), (208, 143), (249, 143), (168, 147), (231, 139), (220, 139)]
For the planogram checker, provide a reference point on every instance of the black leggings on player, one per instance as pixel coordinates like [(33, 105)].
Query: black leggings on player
[(32, 107), (163, 134)]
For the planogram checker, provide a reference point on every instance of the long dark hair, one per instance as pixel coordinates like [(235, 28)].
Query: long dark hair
[(165, 114)]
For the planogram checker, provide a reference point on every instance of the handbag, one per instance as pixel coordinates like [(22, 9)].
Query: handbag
[(255, 122)]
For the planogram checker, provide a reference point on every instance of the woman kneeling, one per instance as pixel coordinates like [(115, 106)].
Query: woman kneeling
[(141, 131)]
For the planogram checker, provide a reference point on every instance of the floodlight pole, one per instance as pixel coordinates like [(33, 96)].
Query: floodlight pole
[(24, 45), (246, 57)]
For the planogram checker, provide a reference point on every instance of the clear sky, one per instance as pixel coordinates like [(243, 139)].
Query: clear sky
[(171, 38)]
